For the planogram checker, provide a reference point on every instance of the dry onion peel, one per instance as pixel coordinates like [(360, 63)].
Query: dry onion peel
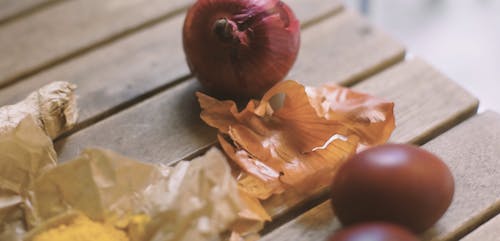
[(301, 143)]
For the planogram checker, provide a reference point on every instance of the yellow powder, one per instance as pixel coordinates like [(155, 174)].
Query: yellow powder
[(137, 227), (83, 229)]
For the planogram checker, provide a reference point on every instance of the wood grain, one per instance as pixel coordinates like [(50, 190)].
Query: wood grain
[(309, 12), (332, 50), (71, 27), (116, 73), (417, 119), (489, 231), (161, 129), (132, 68), (150, 129), (11, 8), (471, 151), (316, 224), (427, 102)]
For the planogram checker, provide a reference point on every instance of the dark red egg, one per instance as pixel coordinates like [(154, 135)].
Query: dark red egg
[(373, 232), (395, 183)]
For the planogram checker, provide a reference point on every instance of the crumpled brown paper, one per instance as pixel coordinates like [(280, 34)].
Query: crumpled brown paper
[(25, 152), (98, 183), (194, 200), (207, 203), (26, 132), (53, 108)]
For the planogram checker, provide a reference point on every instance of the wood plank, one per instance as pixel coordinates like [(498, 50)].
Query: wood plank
[(71, 27), (423, 96), (309, 12), (158, 131), (471, 151), (11, 8), (417, 119), (331, 51), (134, 67), (489, 231), (116, 73)]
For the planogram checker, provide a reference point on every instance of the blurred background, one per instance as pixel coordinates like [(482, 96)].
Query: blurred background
[(461, 38)]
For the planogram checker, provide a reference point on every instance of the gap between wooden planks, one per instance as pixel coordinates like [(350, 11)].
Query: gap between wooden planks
[(471, 151), (16, 9), (489, 231), (70, 28)]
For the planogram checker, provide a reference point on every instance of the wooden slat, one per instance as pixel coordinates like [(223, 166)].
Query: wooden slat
[(417, 118), (331, 51), (116, 73), (49, 36), (316, 224), (155, 135), (12, 8), (134, 67), (427, 102), (311, 11), (471, 151), (489, 231)]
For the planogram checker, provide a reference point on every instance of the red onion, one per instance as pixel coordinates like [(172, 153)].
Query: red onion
[(240, 47)]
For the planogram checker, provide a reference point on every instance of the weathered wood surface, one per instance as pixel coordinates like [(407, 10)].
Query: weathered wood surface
[(127, 55), (309, 12), (417, 118), (331, 51), (428, 96), (134, 67), (489, 231), (11, 8), (470, 150), (163, 133), (68, 28)]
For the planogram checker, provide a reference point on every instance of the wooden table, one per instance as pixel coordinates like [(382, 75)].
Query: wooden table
[(136, 96)]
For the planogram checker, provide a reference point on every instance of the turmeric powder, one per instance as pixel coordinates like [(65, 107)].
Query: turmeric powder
[(82, 229)]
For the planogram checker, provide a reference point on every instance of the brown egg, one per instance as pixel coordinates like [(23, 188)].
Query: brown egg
[(373, 232), (395, 183)]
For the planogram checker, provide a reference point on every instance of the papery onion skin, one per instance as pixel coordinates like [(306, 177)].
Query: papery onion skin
[(240, 47)]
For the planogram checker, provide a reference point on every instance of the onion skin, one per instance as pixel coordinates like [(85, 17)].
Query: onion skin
[(240, 47), (395, 183)]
